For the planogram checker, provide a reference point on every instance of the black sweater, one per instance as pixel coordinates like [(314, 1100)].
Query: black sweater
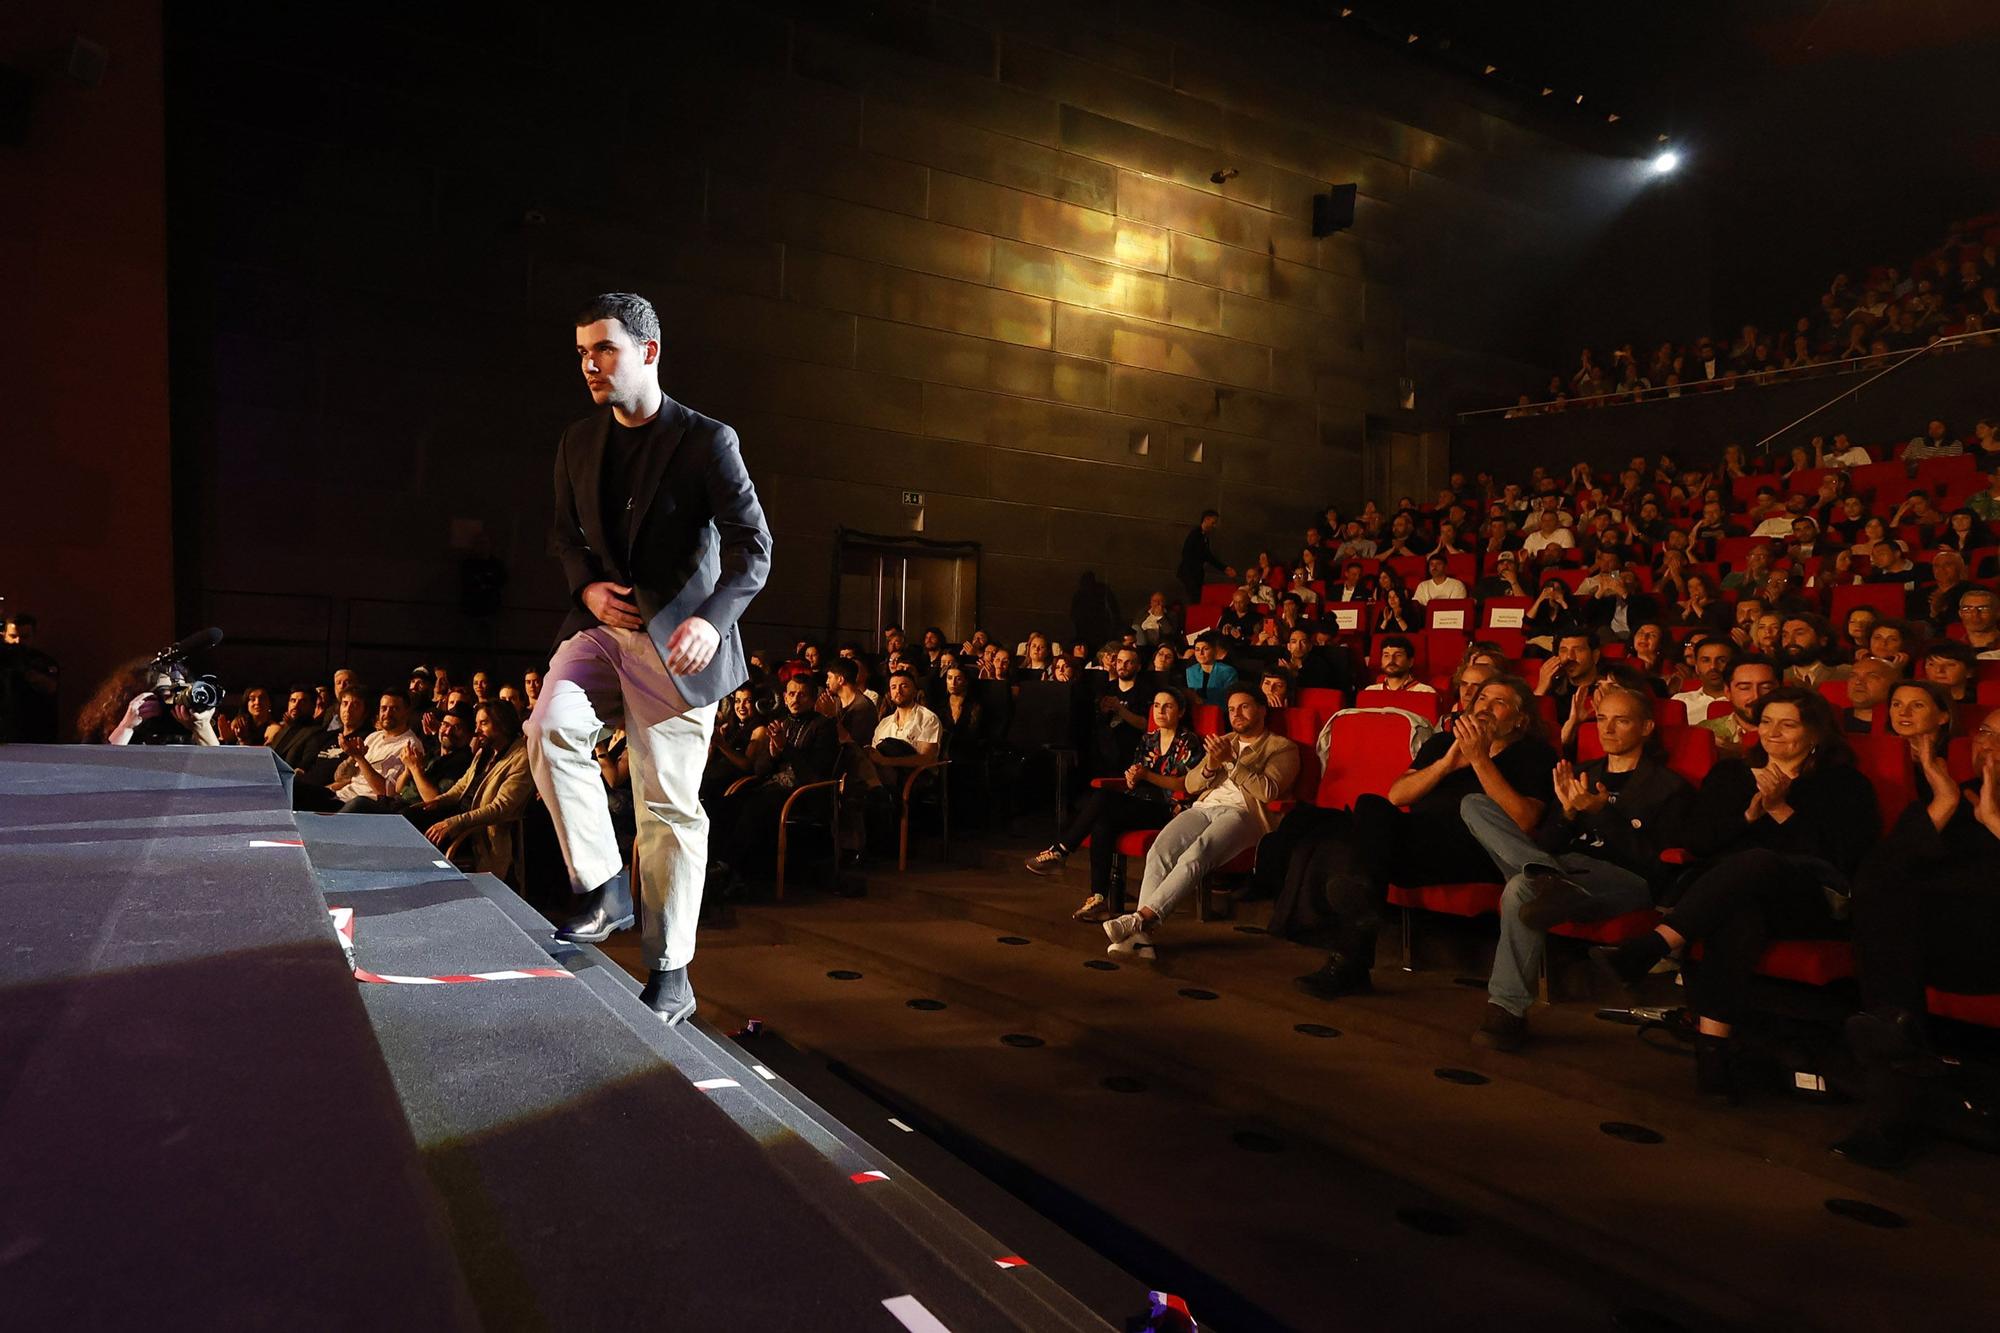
[(1835, 816)]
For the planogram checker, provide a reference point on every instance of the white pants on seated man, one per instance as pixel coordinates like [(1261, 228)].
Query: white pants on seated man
[(601, 679), (1195, 844)]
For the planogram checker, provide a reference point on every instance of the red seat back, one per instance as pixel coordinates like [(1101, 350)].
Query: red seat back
[(1421, 702), (1886, 598), (1366, 752), (1691, 752), (1455, 614), (1322, 701)]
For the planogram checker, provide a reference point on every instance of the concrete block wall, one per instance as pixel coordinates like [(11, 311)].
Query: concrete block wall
[(965, 248)]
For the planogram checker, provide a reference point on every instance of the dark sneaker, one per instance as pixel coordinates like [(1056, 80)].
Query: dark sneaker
[(1557, 899), (1341, 976), (1048, 861), (1501, 1031)]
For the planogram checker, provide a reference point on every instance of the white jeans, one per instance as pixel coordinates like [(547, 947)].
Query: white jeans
[(600, 679), (1195, 843)]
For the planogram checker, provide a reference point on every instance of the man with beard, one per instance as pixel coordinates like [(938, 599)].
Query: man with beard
[(1805, 645), (1120, 721), (1750, 679), (801, 746), (1712, 657)]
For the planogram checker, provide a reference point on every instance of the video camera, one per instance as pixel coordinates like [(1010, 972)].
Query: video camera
[(174, 686)]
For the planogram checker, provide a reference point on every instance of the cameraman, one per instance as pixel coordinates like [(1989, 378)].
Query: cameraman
[(142, 704)]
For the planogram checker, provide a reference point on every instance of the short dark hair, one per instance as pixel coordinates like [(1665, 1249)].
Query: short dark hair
[(845, 667), (1244, 687), (1211, 513), (633, 311), (1395, 641), (1757, 660), (1589, 636), (1953, 651)]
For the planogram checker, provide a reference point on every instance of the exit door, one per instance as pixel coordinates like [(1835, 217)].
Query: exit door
[(881, 581)]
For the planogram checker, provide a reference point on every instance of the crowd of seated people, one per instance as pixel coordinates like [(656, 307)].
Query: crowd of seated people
[(1616, 704), (447, 756), (1952, 288), (1827, 666)]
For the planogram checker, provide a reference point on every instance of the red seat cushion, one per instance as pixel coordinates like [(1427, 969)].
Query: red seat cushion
[(1616, 930), (1137, 842), (1814, 962), (1453, 899), (1981, 1009)]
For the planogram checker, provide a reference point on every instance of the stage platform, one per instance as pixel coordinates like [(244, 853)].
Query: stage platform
[(208, 1118)]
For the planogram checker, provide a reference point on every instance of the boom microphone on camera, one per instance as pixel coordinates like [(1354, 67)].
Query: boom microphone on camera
[(193, 643)]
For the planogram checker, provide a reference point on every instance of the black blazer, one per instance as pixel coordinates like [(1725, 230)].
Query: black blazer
[(699, 542)]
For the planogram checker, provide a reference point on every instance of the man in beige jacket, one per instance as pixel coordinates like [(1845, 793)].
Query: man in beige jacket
[(488, 797), (1238, 778)]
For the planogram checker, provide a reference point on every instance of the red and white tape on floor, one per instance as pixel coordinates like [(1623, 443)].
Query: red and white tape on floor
[(343, 925)]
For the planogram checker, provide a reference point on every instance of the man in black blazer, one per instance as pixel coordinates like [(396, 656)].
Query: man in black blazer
[(663, 545)]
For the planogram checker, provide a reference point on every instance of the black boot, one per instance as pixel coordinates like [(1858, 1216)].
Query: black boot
[(606, 908), (1631, 961), (669, 995), (1715, 1069)]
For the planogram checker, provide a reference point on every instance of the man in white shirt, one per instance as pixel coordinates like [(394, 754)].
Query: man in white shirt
[(1778, 522), (1440, 584), (1845, 453), (367, 779), (1549, 533), (909, 721), (1712, 659), (1395, 656)]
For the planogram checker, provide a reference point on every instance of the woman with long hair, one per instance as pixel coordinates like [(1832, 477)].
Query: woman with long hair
[(1925, 914), (1656, 656), (1142, 797), (125, 710), (1778, 835)]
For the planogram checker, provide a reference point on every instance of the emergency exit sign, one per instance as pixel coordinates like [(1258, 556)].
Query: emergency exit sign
[(913, 498)]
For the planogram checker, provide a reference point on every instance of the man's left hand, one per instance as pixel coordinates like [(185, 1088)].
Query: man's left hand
[(692, 646), (438, 833)]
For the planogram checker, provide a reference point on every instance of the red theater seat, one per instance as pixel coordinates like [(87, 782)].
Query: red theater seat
[(1422, 703), (1981, 1009), (1615, 930), (1366, 752), (1322, 701)]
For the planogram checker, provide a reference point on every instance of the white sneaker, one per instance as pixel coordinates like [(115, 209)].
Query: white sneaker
[(1127, 933), (1133, 946)]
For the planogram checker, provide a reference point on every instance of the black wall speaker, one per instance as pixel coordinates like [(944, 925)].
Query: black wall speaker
[(1334, 210), (17, 97)]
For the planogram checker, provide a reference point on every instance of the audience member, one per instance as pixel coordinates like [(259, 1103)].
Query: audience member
[(1239, 777), (1595, 852), (1497, 750), (1778, 835)]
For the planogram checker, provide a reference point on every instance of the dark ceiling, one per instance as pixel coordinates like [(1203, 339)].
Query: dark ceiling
[(1825, 134)]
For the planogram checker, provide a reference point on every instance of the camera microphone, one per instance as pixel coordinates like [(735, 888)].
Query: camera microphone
[(193, 643)]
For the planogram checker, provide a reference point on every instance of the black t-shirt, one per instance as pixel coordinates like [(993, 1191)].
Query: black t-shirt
[(319, 768), (622, 447), (1528, 765)]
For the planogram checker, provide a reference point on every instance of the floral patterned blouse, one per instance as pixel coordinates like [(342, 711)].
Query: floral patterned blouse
[(1174, 762)]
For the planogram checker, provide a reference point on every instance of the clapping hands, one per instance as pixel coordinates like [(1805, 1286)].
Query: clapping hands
[(1576, 795)]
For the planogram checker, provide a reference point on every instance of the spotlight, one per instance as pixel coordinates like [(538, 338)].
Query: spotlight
[(1346, 13), (1491, 68), (1667, 160), (1579, 99), (1413, 39), (1547, 91), (1611, 119)]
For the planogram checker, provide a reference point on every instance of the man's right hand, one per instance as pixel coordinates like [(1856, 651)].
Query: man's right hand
[(612, 604)]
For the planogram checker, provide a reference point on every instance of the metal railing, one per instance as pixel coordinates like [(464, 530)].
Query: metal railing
[(1872, 367)]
